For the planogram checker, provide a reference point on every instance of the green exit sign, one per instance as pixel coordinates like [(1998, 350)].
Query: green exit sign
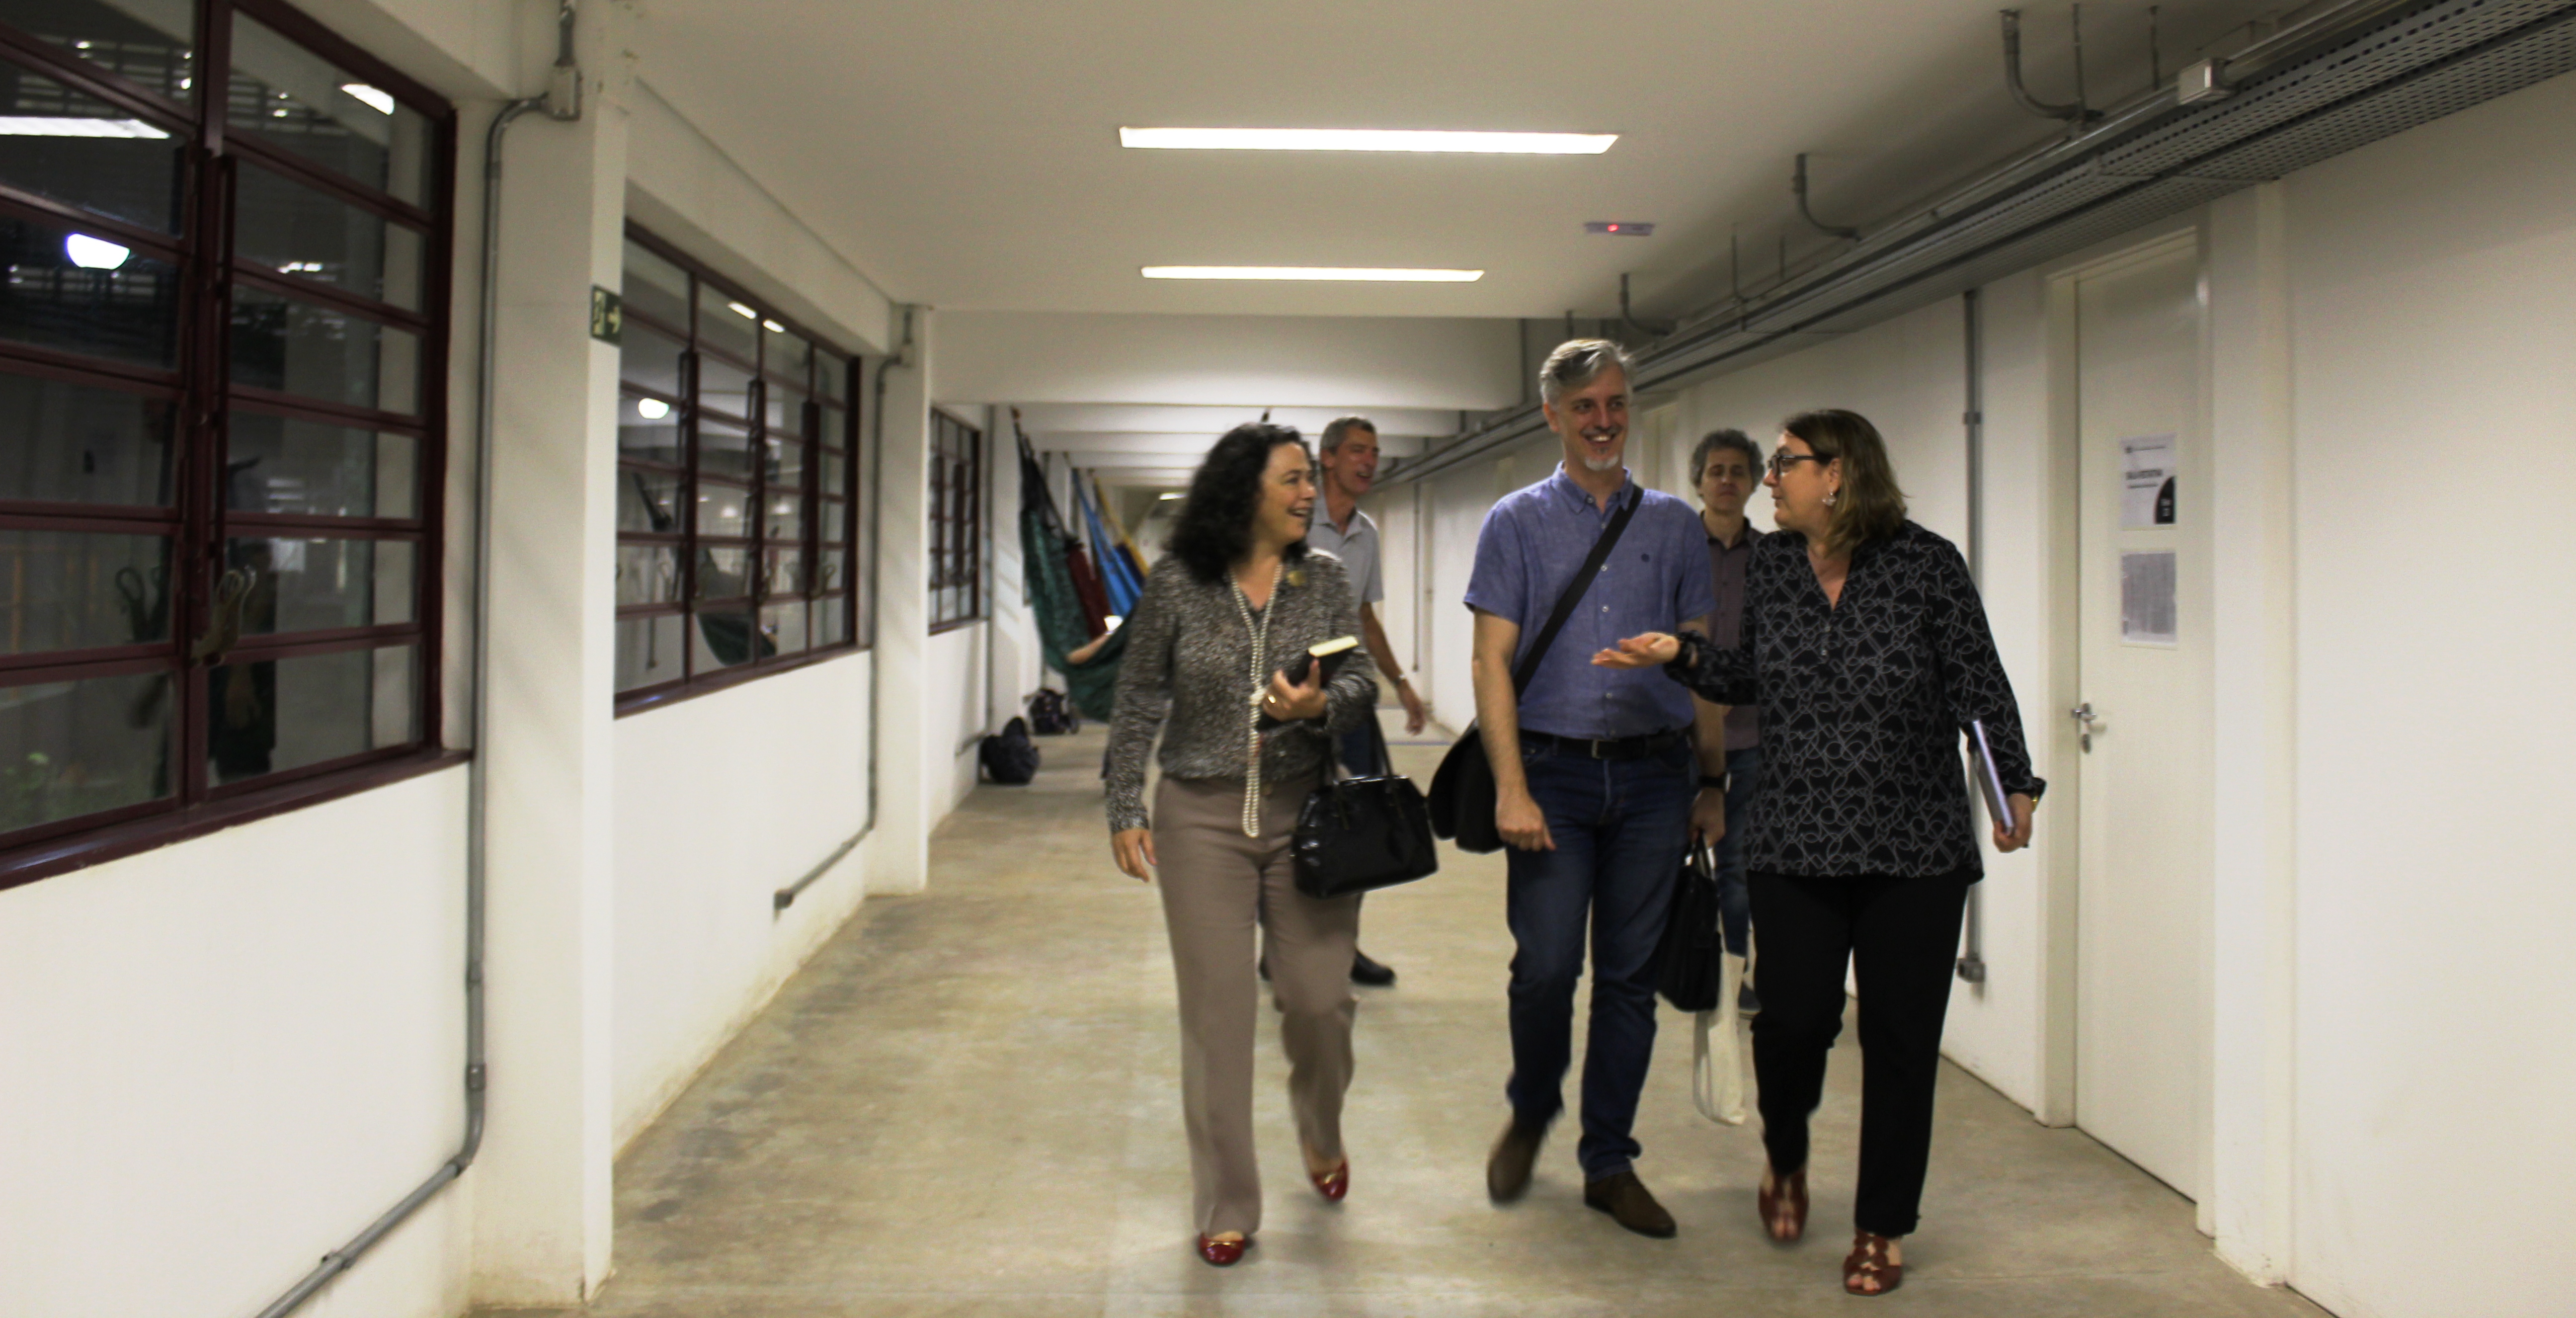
[(607, 316)]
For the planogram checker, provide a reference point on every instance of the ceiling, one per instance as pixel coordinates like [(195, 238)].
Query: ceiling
[(964, 152)]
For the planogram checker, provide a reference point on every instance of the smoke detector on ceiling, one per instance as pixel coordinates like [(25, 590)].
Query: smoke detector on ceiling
[(1620, 228)]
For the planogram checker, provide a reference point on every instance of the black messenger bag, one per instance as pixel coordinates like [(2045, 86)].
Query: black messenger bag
[(1462, 792), (1360, 834)]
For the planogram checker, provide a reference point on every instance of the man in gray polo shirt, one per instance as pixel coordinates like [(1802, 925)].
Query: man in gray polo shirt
[(1348, 456)]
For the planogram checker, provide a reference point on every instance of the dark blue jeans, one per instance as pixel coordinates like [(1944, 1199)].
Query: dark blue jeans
[(1620, 827), (1734, 899)]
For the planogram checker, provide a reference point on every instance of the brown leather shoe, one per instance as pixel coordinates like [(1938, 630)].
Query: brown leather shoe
[(1507, 1171), (1624, 1197)]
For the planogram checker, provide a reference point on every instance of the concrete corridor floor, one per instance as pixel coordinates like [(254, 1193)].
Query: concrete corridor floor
[(968, 1103)]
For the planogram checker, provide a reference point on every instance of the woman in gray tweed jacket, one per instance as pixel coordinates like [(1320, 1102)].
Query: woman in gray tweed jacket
[(1236, 601)]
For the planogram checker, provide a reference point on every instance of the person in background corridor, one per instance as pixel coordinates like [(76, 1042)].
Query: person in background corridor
[(1593, 773), (1865, 642), (1348, 456), (1226, 617), (1724, 468)]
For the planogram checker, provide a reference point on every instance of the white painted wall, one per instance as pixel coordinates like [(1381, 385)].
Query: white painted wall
[(953, 690), (225, 1057), (2435, 363), (721, 801), (1316, 361)]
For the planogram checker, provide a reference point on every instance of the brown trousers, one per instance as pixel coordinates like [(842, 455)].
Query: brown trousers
[(1217, 886)]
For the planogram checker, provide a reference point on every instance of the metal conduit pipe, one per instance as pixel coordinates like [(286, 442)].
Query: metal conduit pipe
[(2354, 74), (562, 103), (1972, 951)]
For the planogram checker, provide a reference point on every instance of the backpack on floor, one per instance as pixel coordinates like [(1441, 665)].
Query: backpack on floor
[(1051, 715), (1008, 756)]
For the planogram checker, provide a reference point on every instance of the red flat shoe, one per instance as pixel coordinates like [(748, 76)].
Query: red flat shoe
[(1784, 1206), (1223, 1253), (1333, 1184)]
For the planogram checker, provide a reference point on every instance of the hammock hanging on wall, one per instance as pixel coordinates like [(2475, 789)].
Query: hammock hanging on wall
[(1117, 576), (1052, 562)]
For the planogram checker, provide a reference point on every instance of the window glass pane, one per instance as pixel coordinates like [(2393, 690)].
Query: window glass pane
[(301, 584), (723, 510), (835, 429), (78, 748), (648, 500), (725, 639), (648, 359), (724, 449), (648, 574), (785, 356), (832, 620), (836, 475), (786, 462), (832, 375), (834, 573), (86, 152), (655, 287), (73, 292), (724, 571), (836, 522), (727, 324), (68, 443), (267, 715), (648, 650), (648, 428), (283, 465), (301, 102), (72, 590), (294, 230), (783, 519), (786, 574), (782, 409), (724, 387), (147, 41), (784, 626), (300, 348)]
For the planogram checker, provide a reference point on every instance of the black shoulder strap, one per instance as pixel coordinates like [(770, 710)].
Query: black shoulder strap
[(1528, 666)]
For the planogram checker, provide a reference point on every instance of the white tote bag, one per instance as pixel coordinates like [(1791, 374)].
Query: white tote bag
[(1717, 1067)]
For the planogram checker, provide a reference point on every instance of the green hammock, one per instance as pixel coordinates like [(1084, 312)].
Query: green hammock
[(1062, 625)]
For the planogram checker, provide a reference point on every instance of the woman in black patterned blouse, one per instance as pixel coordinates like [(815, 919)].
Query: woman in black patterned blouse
[(1865, 646)]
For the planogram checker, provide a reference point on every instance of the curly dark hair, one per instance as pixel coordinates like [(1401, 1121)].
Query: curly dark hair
[(1215, 525)]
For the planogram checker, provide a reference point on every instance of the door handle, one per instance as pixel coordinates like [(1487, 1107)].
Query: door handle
[(2092, 723)]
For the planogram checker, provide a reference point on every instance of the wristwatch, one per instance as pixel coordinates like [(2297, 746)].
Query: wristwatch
[(1716, 780)]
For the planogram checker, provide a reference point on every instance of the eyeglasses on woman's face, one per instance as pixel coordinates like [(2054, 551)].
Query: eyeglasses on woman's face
[(1782, 460)]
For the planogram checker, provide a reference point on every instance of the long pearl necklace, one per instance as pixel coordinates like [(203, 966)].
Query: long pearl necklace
[(1260, 683)]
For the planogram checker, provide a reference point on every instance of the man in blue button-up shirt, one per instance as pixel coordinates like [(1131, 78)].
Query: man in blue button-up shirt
[(1594, 772)]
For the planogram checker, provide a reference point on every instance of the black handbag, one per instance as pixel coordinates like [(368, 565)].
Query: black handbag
[(1356, 835), (1690, 962), (1462, 791)]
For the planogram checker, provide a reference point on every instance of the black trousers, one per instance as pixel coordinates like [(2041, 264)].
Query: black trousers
[(1900, 936)]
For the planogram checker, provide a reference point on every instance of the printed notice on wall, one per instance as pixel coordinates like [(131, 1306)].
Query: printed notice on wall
[(2147, 481), (2147, 598)]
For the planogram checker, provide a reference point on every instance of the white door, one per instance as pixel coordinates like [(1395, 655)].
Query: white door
[(2142, 1029)]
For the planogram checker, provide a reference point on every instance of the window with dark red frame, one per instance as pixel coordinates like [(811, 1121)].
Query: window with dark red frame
[(737, 485), (956, 522), (223, 336)]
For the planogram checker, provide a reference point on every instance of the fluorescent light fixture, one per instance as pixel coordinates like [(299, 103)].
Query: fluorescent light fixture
[(652, 409), (1313, 272), (94, 253), (1165, 498), (745, 312), (773, 327), (1365, 139), (380, 101), (29, 125)]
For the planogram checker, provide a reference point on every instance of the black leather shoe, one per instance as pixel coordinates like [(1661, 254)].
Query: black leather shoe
[(1507, 1171), (1371, 973), (1624, 1197)]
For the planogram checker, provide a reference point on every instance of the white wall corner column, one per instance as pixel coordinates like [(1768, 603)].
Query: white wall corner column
[(915, 750), (2253, 944), (542, 1184)]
